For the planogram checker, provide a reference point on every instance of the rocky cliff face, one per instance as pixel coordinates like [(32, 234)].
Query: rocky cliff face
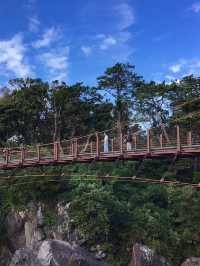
[(191, 262), (144, 256), (55, 253), (31, 241)]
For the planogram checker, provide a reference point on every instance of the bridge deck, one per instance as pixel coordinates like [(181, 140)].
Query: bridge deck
[(149, 144)]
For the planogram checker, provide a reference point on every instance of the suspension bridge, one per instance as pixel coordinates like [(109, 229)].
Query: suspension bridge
[(150, 143)]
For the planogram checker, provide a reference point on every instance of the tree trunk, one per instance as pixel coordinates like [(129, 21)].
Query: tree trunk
[(56, 135)]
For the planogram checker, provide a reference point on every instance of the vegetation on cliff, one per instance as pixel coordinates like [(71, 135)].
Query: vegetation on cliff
[(114, 214)]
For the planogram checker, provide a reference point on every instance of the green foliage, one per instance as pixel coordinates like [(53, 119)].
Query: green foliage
[(111, 213)]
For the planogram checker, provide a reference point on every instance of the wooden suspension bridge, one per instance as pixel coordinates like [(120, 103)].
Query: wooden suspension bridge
[(151, 143)]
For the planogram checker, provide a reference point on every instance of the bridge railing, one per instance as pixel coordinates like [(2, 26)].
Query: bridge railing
[(93, 146), (163, 138), (31, 153), (86, 145), (65, 149), (46, 151), (195, 135)]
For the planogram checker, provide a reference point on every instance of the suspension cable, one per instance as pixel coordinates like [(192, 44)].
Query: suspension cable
[(96, 177)]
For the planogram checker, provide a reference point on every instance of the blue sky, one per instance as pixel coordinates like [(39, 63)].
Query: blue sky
[(76, 40)]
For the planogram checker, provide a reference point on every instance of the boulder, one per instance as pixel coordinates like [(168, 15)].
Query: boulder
[(193, 261), (15, 230), (55, 253), (5, 255), (144, 256), (25, 257)]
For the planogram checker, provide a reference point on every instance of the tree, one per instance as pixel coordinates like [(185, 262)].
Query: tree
[(25, 110), (184, 97), (120, 82), (76, 110), (151, 103)]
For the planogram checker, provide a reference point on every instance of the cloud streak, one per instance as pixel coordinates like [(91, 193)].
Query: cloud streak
[(57, 63), (126, 16), (196, 7), (34, 24), (107, 42), (13, 57), (176, 68), (86, 50), (49, 36)]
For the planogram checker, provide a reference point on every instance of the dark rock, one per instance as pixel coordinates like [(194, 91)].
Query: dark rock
[(144, 256), (191, 262), (5, 255), (55, 253), (25, 257), (15, 230), (60, 253)]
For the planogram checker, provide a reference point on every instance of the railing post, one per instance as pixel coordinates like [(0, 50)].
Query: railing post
[(190, 138), (135, 142), (161, 140), (121, 143), (97, 146), (6, 156), (91, 147), (148, 140), (9, 154), (38, 153), (56, 151), (72, 147), (22, 155), (112, 145), (75, 148), (178, 139)]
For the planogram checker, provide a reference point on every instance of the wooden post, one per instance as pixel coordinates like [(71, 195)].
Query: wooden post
[(97, 146), (55, 153), (161, 140), (75, 149), (148, 140), (72, 147), (121, 143), (178, 138), (91, 147), (135, 142), (38, 153), (7, 156), (190, 138), (112, 145), (22, 154)]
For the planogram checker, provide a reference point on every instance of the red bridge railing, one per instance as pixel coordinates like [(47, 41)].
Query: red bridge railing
[(150, 143)]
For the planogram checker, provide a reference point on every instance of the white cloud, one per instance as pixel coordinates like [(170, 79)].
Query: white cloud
[(126, 15), (116, 44), (175, 68), (12, 57), (107, 42), (169, 77), (34, 24), (195, 64), (86, 50), (183, 67), (49, 36), (196, 7), (57, 63)]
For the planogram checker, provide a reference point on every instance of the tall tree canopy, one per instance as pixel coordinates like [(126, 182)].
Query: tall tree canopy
[(120, 81)]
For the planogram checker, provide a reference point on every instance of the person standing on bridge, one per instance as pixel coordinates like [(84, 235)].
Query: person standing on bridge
[(128, 141), (105, 145)]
